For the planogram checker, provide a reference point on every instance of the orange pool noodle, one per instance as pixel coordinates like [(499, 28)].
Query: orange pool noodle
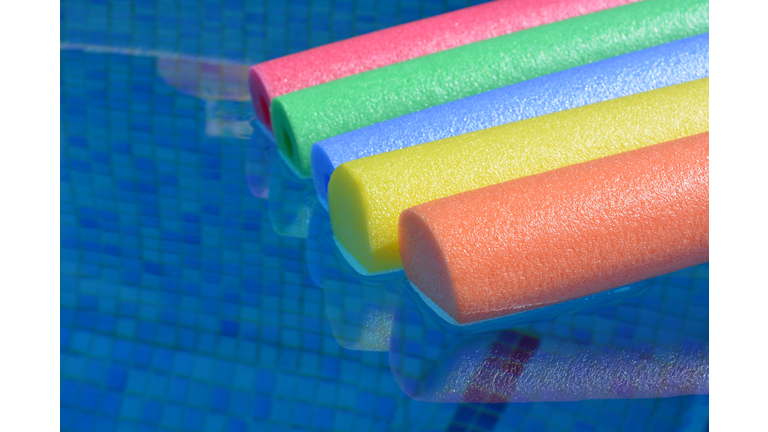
[(562, 234)]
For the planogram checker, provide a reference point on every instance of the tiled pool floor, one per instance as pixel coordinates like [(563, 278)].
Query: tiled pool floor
[(198, 292)]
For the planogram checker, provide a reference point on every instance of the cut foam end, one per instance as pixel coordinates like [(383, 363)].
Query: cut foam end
[(431, 262), (354, 223), (293, 155), (259, 97)]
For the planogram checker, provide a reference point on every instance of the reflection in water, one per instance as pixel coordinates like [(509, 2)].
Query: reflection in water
[(207, 79), (541, 362), (359, 309), (291, 199), (562, 371), (223, 87), (222, 84), (226, 119), (428, 307), (258, 163), (228, 114)]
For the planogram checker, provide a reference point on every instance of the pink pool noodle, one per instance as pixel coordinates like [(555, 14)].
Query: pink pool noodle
[(562, 234), (293, 72)]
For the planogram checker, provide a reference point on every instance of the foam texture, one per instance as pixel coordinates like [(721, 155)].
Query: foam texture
[(562, 234), (636, 72), (293, 72), (366, 196), (305, 117)]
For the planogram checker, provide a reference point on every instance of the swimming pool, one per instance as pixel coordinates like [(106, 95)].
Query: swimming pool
[(199, 291)]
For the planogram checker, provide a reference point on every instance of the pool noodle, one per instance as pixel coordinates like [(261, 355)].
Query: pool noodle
[(366, 196), (636, 72), (307, 116), (276, 77), (562, 234)]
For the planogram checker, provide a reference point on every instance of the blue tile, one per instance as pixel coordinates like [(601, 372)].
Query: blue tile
[(116, 379), (236, 425), (193, 419), (151, 412), (219, 400), (262, 407)]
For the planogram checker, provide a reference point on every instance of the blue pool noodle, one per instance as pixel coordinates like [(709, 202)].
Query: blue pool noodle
[(636, 72)]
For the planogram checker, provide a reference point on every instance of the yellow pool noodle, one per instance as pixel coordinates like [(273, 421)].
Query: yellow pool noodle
[(366, 196)]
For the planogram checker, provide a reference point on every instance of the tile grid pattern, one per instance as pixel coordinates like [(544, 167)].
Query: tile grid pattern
[(181, 308), (246, 31), (173, 285)]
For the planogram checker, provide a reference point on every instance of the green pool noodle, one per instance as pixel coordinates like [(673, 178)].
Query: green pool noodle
[(307, 116)]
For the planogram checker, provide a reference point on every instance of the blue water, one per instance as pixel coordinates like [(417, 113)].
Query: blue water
[(199, 290)]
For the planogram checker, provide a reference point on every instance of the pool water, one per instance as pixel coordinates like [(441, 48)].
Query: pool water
[(200, 289)]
